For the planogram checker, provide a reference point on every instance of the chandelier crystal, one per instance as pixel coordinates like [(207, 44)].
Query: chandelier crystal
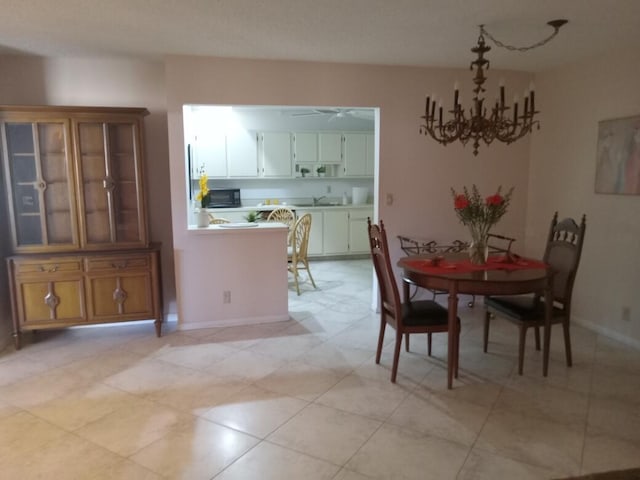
[(484, 122)]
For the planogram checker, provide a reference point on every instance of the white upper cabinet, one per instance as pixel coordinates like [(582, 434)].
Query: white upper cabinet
[(359, 154), (242, 154), (210, 152), (275, 152), (330, 148), (305, 147)]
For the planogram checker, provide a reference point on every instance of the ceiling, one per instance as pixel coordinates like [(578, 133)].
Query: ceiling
[(391, 32)]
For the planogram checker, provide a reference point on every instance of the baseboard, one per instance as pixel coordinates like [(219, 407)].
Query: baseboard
[(607, 332), (233, 322)]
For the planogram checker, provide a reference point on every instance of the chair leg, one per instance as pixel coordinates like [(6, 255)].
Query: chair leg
[(383, 324), (396, 356), (306, 264), (457, 356), (537, 333), (294, 270), (567, 341), (429, 344), (406, 341), (521, 342), (487, 319)]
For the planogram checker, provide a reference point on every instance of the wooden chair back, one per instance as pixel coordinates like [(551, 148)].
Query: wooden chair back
[(389, 295), (562, 253)]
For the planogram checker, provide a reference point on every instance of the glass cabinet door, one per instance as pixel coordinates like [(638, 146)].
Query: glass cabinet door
[(39, 177), (111, 185)]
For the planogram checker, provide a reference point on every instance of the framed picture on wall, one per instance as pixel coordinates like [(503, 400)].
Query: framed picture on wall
[(618, 156)]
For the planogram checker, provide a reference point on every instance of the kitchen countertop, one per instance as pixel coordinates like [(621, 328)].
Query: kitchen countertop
[(264, 208)]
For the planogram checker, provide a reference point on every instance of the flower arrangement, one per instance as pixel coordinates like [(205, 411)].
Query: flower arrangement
[(480, 214), (203, 194)]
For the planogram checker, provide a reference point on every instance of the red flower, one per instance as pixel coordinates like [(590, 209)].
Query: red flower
[(495, 200), (460, 202)]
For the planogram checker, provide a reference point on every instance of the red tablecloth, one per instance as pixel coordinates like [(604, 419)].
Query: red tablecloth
[(494, 262)]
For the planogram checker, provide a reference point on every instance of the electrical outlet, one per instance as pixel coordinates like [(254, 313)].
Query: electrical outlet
[(626, 314), (389, 200), (226, 296)]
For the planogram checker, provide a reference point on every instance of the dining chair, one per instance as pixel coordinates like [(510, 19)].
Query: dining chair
[(297, 251), (562, 254), (283, 215), (422, 316)]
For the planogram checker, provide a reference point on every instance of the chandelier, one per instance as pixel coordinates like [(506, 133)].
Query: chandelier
[(480, 121)]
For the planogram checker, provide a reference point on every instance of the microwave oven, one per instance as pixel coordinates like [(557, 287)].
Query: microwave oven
[(224, 198)]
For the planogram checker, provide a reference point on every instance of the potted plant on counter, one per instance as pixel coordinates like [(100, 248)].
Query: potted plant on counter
[(252, 217), (321, 170)]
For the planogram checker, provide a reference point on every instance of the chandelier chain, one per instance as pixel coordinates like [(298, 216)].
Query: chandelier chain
[(483, 31)]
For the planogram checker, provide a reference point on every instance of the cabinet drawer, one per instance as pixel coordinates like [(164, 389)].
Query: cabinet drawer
[(117, 263), (48, 266)]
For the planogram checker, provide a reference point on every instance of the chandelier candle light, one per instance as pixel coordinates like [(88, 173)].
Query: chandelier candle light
[(480, 215), (477, 123)]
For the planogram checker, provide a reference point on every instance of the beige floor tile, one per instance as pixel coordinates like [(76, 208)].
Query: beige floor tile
[(345, 474), (325, 433), (132, 427), (81, 406), (104, 364), (447, 418), (534, 397), (616, 418), (199, 357), (468, 388), (364, 396), (68, 457), (531, 440), (196, 393), (300, 380), (481, 465), (125, 470), (245, 336), (255, 411), (40, 389), (604, 452), (197, 450), (245, 365), (18, 366), (23, 434), (286, 347), (395, 453), (272, 462), (335, 357), (615, 384)]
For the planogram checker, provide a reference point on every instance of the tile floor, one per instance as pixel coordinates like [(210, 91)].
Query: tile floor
[(304, 399)]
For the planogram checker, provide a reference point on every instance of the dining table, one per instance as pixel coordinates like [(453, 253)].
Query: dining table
[(501, 275)]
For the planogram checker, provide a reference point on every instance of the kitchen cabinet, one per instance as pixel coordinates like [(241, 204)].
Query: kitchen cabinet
[(358, 155), (330, 148), (275, 153), (305, 147), (74, 181), (358, 234), (210, 153), (335, 235), (315, 246), (242, 154)]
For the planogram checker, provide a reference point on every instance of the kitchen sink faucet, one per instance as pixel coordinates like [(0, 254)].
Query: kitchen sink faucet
[(316, 201)]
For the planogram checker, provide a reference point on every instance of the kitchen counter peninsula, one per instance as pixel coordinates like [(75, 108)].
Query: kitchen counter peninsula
[(233, 274)]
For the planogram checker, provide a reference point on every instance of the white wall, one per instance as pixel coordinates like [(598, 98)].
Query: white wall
[(562, 177), (417, 171), (106, 82)]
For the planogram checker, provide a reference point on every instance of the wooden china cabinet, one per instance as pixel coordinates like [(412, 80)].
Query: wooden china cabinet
[(74, 181)]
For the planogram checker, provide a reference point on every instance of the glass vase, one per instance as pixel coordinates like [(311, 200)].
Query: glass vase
[(478, 248)]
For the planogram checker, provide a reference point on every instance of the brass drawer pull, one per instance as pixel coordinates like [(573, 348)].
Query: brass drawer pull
[(51, 269)]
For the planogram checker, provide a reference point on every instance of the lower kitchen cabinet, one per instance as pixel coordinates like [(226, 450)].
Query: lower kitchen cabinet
[(335, 233), (358, 234), (316, 232), (62, 290)]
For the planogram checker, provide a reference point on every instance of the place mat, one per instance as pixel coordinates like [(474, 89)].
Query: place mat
[(494, 262)]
